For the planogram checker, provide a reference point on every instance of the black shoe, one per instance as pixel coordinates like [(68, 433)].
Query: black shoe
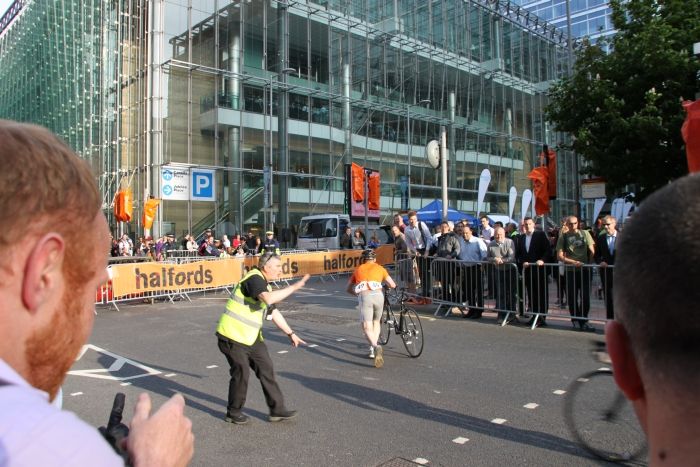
[(284, 415), (475, 315), (587, 327), (237, 419)]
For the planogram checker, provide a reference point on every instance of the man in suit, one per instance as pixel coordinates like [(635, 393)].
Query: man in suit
[(605, 256), (532, 250)]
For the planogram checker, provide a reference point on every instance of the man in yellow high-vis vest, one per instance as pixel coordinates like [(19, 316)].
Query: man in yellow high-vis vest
[(240, 337)]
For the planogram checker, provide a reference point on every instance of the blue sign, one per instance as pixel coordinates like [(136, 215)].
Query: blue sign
[(203, 185), (167, 175), (167, 190)]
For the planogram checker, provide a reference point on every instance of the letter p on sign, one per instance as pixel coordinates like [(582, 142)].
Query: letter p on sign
[(203, 185)]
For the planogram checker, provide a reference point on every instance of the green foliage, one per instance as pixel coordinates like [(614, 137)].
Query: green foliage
[(624, 108)]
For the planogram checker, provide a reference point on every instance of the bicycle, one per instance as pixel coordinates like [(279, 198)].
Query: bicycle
[(600, 417), (407, 325)]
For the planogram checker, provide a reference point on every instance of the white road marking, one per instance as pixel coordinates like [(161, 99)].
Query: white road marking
[(126, 384), (283, 351), (117, 365), (369, 378), (559, 392), (603, 368), (421, 461), (499, 421), (531, 405), (460, 440), (170, 375), (212, 366), (436, 392), (431, 319), (582, 380), (76, 394), (311, 346), (340, 339)]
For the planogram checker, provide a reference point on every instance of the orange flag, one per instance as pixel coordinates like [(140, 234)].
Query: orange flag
[(149, 212), (358, 183), (539, 177), (374, 192), (550, 161), (123, 206), (691, 134)]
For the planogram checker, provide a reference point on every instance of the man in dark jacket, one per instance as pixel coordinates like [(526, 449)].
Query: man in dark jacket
[(446, 271), (605, 256), (532, 250)]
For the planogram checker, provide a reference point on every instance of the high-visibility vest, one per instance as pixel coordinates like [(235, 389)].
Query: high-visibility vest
[(243, 319)]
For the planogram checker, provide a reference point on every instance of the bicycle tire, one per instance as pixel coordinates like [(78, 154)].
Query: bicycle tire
[(385, 326), (601, 419), (411, 332)]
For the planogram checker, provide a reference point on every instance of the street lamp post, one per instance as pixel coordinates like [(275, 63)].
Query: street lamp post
[(283, 140), (409, 135)]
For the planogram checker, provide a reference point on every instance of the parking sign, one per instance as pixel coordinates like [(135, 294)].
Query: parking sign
[(203, 185)]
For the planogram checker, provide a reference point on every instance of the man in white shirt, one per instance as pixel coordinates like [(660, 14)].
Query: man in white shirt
[(473, 252), (486, 230), (419, 241), (47, 294)]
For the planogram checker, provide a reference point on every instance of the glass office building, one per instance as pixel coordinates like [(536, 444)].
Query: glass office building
[(589, 18), (274, 98)]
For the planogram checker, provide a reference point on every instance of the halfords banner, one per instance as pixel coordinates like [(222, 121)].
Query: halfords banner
[(138, 278)]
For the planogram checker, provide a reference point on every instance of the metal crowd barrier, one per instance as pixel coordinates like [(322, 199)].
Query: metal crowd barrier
[(579, 293)]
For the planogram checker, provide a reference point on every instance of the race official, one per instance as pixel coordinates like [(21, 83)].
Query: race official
[(270, 244), (367, 284), (240, 339)]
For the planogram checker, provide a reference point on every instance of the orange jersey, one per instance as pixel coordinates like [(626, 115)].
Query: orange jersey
[(369, 275)]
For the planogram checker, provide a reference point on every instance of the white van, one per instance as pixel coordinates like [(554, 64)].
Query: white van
[(322, 231)]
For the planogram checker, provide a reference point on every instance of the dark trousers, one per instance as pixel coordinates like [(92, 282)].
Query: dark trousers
[(426, 281), (578, 292), (505, 279), (446, 273), (473, 287), (535, 278), (606, 278), (241, 358)]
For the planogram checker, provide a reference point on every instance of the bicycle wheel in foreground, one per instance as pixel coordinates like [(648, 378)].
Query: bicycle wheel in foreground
[(412, 332), (601, 419), (385, 327)]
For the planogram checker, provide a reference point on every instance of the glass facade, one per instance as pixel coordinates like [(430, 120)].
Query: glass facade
[(276, 97), (589, 18)]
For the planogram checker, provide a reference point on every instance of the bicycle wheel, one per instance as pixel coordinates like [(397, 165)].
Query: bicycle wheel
[(601, 419), (386, 324), (411, 332)]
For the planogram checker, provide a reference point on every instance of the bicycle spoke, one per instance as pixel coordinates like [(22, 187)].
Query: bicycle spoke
[(411, 332), (601, 419)]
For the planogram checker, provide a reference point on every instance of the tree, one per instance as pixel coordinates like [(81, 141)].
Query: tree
[(623, 108)]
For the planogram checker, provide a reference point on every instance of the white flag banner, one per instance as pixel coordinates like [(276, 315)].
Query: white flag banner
[(512, 196), (597, 207), (484, 180), (525, 203), (617, 208)]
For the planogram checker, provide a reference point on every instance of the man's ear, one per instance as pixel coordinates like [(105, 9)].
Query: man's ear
[(625, 369), (43, 271)]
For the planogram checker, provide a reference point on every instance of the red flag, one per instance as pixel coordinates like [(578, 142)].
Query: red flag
[(691, 134), (539, 177)]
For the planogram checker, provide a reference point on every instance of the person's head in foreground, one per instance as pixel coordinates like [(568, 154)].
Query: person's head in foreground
[(49, 199), (654, 343)]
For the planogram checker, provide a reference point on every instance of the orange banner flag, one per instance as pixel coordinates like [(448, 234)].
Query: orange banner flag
[(123, 206), (358, 183), (374, 191), (691, 134), (539, 177), (149, 212)]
